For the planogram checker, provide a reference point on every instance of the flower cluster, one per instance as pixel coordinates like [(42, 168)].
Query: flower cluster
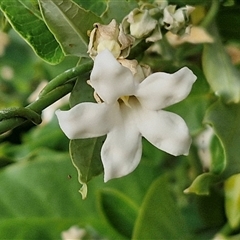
[(148, 20)]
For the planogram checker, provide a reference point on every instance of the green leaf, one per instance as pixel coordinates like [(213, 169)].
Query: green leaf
[(85, 155), (222, 76), (37, 192), (112, 11), (217, 156), (225, 120), (119, 210), (232, 201), (33, 29), (70, 25), (159, 214), (39, 199), (96, 6), (82, 92)]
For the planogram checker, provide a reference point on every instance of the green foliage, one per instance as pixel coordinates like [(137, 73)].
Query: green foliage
[(225, 121), (119, 211), (85, 155), (159, 204), (35, 32), (112, 10), (232, 201), (96, 6), (226, 19), (222, 76), (69, 24), (39, 195)]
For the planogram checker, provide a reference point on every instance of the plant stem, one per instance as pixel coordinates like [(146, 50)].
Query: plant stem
[(66, 76), (210, 17), (55, 89), (37, 106)]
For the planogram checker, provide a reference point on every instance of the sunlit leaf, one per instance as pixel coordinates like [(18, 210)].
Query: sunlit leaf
[(70, 24), (33, 29), (222, 76), (225, 120), (232, 200), (33, 6), (119, 211), (159, 214)]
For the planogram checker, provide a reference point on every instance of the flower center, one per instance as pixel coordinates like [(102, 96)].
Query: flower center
[(125, 100)]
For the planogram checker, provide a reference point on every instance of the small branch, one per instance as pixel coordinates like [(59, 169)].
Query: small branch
[(16, 118), (25, 113), (55, 89), (66, 76)]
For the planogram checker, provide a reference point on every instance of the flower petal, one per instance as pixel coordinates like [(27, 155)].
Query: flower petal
[(87, 120), (161, 89), (122, 150), (110, 79), (165, 130)]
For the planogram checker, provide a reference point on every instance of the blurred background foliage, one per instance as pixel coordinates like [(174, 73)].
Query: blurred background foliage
[(39, 186)]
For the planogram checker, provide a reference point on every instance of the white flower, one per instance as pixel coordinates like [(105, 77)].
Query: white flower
[(125, 124)]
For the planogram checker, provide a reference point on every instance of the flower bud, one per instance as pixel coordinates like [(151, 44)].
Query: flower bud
[(109, 37), (177, 21), (139, 71), (140, 24)]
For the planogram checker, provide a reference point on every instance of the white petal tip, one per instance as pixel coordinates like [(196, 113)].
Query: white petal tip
[(188, 74), (63, 120)]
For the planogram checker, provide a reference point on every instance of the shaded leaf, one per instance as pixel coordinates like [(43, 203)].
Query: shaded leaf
[(85, 155), (82, 92), (159, 216), (96, 6), (222, 76), (119, 210), (33, 29), (227, 18), (70, 24), (112, 10), (225, 120), (38, 200)]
